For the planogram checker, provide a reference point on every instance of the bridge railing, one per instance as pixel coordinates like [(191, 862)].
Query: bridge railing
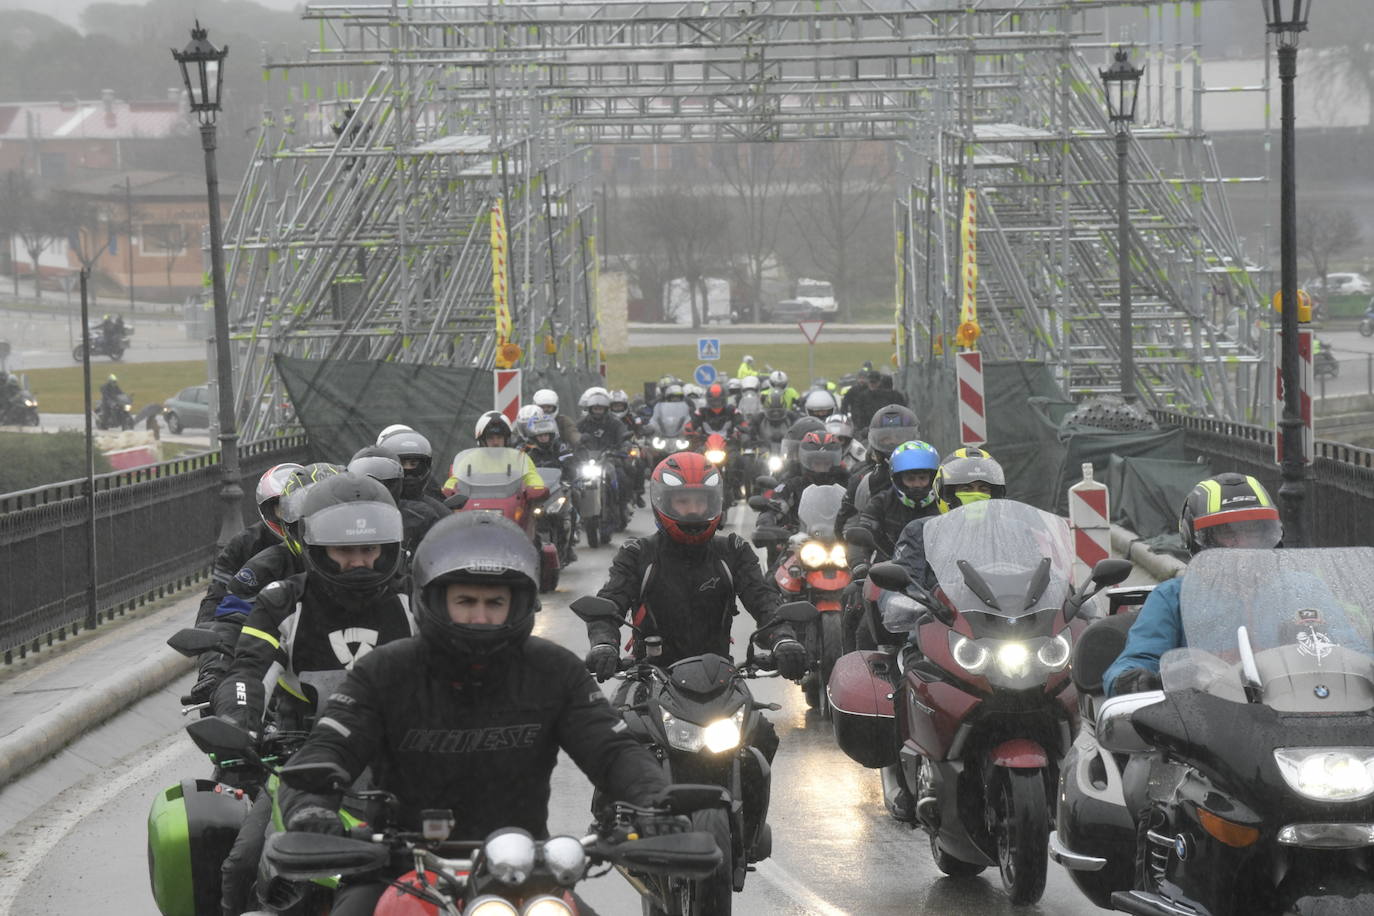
[(1340, 495), (155, 529)]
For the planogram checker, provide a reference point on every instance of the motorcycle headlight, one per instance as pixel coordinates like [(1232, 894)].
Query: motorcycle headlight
[(1054, 654), (559, 503), (660, 443), (721, 735), (1013, 658), (538, 510), (547, 906), (715, 456), (682, 444), (839, 556), (509, 854), (634, 453), (128, 408), (591, 470), (565, 859), (774, 464), (970, 656), (813, 554), (724, 734), (488, 905), (30, 402), (1328, 773)]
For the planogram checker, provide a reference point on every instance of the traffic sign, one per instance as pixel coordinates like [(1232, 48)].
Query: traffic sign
[(508, 392), (705, 374), (708, 348), (811, 328), (973, 418)]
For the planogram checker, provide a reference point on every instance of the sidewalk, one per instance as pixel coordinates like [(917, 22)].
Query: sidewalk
[(60, 694)]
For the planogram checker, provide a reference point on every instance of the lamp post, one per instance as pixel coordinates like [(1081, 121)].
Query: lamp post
[(203, 73), (1287, 19), (1122, 84)]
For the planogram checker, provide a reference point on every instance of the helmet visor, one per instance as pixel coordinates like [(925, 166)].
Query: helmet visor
[(688, 503), (1257, 529), (353, 523), (887, 438), (821, 459)]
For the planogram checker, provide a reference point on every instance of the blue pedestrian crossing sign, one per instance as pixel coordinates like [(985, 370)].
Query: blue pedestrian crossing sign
[(708, 348), (705, 374)]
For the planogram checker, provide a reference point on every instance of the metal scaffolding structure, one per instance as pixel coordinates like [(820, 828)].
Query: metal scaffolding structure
[(362, 228), (1027, 133)]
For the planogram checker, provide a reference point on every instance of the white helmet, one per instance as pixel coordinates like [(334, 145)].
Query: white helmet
[(492, 419), (527, 415), (620, 402), (777, 379), (750, 383), (596, 396), (673, 391), (694, 391), (546, 398), (392, 430), (839, 426), (819, 404)]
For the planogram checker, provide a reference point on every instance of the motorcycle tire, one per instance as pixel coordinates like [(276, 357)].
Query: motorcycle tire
[(1021, 830), (832, 647), (955, 868), (31, 418), (79, 352), (1367, 328), (127, 422), (1335, 896), (548, 577), (593, 526), (116, 353), (714, 895), (174, 424)]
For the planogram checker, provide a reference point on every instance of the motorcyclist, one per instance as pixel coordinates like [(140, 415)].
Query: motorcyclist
[(310, 629), (746, 368), (777, 380), (750, 405), (682, 582), (600, 430), (839, 426), (547, 399), (791, 442), (544, 446), (717, 416), (109, 397), (620, 409), (1228, 510), (819, 403), (428, 714), (818, 458), (417, 515), (962, 482), (734, 388), (773, 421), (493, 431), (664, 420), (416, 455), (889, 427), (910, 496), (111, 330), (862, 401)]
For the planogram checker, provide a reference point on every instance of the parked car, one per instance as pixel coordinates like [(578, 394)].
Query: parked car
[(810, 299), (1342, 284), (188, 408)]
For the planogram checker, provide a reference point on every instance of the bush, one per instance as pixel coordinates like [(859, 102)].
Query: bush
[(30, 460), (1345, 306)]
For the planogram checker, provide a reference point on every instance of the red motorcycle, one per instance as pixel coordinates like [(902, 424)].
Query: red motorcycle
[(492, 480), (972, 720), (815, 568)]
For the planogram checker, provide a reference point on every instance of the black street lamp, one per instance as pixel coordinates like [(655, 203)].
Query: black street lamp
[(203, 73), (1122, 84), (1287, 19)]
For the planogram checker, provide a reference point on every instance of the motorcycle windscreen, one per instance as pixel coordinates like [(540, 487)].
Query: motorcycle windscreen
[(1006, 543), (672, 416), (818, 508), (552, 477), (1306, 617), (489, 473)]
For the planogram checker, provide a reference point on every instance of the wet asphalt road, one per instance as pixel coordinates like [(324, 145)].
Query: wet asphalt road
[(835, 849)]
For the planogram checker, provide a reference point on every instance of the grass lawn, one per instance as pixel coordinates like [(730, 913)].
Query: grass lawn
[(643, 364), (59, 390)]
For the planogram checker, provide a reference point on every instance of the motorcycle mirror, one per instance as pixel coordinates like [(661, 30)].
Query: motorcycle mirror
[(686, 798), (1105, 573), (222, 738), (767, 482), (593, 607), (890, 576), (859, 571), (192, 642), (860, 536), (758, 503), (941, 612), (300, 856), (317, 776), (692, 855), (796, 612), (1116, 731), (457, 501), (764, 537)]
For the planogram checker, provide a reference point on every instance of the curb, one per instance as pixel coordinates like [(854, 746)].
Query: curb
[(97, 703), (1161, 566)]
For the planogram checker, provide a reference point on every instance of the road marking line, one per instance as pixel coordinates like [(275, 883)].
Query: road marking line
[(788, 883)]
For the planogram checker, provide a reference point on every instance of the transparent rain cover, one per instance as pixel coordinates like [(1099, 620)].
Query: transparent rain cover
[(489, 473), (818, 509), (1306, 616), (671, 417), (1005, 541), (552, 477)]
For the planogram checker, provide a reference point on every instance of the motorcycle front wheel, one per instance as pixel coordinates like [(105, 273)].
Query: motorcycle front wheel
[(1021, 828), (1366, 328), (713, 896), (592, 525), (78, 352), (832, 647)]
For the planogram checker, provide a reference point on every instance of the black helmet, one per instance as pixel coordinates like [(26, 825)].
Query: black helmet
[(290, 508), (474, 548), (408, 444), (797, 432), (1229, 510), (890, 427), (351, 510), (379, 463)]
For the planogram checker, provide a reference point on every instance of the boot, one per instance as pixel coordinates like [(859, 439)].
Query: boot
[(895, 794)]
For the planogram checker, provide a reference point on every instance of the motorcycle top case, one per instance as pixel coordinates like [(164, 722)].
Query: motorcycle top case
[(191, 828), (860, 689)]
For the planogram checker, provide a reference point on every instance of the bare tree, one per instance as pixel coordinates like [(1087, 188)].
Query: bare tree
[(1341, 35), (1323, 234), (171, 238), (760, 184), (844, 183), (15, 193), (37, 226), (688, 229), (87, 227)]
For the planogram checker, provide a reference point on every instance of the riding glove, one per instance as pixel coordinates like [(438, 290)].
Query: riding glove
[(790, 658), (314, 819), (1136, 680), (603, 661)]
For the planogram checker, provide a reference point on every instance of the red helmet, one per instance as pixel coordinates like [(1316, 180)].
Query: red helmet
[(715, 397), (819, 452), (687, 493)]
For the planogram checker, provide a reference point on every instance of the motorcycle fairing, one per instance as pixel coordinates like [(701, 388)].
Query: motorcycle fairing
[(702, 675)]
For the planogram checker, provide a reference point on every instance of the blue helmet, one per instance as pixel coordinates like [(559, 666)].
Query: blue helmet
[(914, 455)]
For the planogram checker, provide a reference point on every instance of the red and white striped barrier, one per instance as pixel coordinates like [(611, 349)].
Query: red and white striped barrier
[(508, 392), (1305, 386), (1089, 519), (973, 420)]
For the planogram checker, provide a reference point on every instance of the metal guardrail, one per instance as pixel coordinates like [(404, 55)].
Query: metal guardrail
[(1340, 499), (156, 528)]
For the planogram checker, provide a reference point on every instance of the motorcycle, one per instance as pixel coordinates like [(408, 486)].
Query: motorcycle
[(1367, 325), (699, 718), (716, 450), (980, 709), (501, 492), (20, 408), (596, 495), (113, 346), (508, 872), (116, 413), (555, 519), (816, 569), (1246, 784), (1325, 364), (660, 447)]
